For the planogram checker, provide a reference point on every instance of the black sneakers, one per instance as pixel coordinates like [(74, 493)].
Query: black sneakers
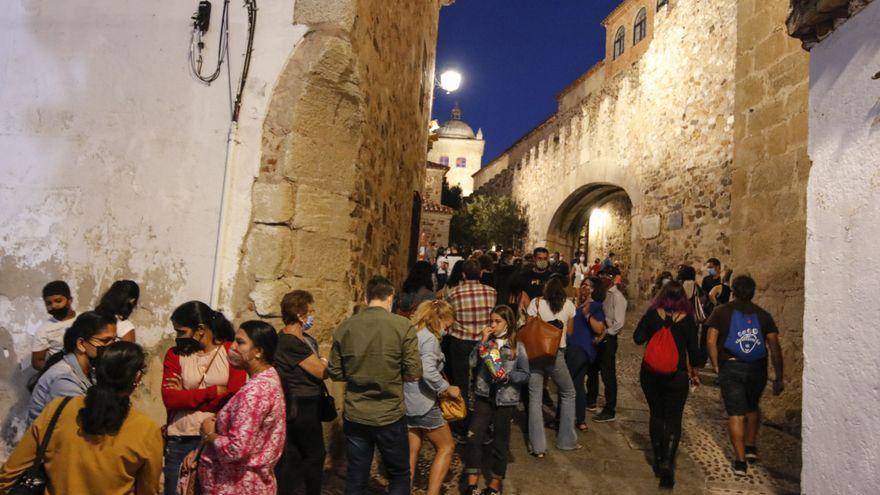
[(751, 454), (740, 468), (604, 417)]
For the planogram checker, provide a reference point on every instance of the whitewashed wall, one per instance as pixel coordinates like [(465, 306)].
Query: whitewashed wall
[(841, 425), (112, 160)]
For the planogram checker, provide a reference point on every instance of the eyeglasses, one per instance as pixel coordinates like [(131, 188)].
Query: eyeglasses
[(103, 342)]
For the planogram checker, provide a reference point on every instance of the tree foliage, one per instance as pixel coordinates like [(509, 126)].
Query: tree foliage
[(450, 196), (484, 221)]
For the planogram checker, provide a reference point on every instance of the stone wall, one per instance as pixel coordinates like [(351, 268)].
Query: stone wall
[(660, 130), (435, 226), (770, 171), (610, 231), (333, 199)]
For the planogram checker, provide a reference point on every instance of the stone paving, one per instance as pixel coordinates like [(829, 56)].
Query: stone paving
[(616, 455)]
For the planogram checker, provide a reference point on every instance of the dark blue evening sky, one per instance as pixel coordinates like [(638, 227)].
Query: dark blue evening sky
[(516, 56)]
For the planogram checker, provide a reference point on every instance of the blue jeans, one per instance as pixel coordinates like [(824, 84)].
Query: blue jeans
[(567, 437), (176, 448), (393, 443)]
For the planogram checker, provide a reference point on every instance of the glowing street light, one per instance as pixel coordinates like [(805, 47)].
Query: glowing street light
[(450, 80)]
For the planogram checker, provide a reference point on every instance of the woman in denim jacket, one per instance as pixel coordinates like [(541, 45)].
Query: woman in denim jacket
[(497, 394), (423, 415)]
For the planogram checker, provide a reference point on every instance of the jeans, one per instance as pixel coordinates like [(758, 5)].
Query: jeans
[(578, 364), (567, 437), (176, 448), (393, 443), (500, 417), (459, 354), (666, 395), (302, 462), (606, 365)]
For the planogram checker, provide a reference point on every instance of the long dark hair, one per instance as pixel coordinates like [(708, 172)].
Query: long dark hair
[(85, 326), (108, 401), (455, 276), (117, 301), (419, 276), (194, 313), (264, 336), (554, 293), (672, 299)]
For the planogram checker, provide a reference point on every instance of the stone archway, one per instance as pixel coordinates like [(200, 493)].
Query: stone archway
[(595, 218)]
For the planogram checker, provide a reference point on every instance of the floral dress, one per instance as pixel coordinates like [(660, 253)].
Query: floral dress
[(251, 429)]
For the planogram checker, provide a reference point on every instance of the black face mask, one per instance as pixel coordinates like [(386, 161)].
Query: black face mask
[(99, 351), (60, 313), (187, 345)]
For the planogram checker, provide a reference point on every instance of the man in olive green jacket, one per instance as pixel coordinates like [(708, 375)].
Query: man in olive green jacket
[(374, 352)]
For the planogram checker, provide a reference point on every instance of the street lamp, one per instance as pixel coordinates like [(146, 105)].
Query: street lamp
[(450, 80)]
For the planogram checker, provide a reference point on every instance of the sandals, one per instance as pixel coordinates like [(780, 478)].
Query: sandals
[(582, 427), (539, 455)]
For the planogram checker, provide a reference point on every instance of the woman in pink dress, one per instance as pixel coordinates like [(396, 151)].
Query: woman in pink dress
[(245, 441)]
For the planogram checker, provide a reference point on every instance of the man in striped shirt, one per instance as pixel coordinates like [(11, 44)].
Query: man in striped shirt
[(473, 303)]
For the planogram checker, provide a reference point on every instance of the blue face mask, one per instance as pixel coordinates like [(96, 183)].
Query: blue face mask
[(309, 323), (712, 272)]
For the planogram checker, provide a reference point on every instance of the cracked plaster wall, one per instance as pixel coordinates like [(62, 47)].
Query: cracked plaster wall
[(113, 164)]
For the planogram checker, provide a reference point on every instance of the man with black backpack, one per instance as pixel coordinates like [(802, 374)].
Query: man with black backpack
[(739, 337)]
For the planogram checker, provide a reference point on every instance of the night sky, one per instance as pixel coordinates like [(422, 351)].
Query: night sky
[(515, 56)]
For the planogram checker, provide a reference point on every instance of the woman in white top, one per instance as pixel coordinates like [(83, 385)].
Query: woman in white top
[(119, 301), (555, 308)]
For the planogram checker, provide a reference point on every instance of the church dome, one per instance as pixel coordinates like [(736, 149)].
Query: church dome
[(456, 128)]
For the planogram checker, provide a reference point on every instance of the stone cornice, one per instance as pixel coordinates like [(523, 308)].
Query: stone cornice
[(811, 21)]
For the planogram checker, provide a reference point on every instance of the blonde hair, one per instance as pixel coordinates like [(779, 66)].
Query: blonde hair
[(432, 314)]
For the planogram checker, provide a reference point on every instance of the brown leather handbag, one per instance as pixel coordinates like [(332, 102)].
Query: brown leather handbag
[(541, 340)]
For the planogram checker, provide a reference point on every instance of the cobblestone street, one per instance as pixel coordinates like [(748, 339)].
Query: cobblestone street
[(616, 456)]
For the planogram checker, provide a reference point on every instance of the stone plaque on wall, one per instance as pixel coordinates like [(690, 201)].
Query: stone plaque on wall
[(675, 220), (650, 227)]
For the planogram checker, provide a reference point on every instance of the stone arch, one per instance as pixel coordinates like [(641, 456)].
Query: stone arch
[(570, 218), (300, 230)]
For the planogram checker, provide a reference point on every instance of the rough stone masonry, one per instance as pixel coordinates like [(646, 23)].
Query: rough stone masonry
[(702, 125)]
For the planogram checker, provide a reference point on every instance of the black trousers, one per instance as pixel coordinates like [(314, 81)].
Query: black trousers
[(666, 395), (606, 366), (302, 462), (459, 352), (500, 417), (578, 366)]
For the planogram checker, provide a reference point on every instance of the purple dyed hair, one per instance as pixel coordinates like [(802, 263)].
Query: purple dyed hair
[(672, 299)]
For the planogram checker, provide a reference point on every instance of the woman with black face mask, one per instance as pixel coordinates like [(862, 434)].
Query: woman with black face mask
[(197, 380), (69, 372)]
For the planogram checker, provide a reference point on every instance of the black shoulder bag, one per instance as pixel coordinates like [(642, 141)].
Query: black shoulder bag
[(327, 405), (35, 479)]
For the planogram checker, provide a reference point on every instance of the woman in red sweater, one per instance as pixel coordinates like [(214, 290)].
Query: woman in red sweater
[(196, 380)]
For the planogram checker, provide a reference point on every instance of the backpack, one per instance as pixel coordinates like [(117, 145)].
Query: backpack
[(745, 340), (661, 353)]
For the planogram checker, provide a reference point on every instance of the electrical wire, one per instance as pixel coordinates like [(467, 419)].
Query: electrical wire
[(251, 6), (197, 45)]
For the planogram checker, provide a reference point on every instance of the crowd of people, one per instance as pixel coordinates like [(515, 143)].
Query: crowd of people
[(452, 357)]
